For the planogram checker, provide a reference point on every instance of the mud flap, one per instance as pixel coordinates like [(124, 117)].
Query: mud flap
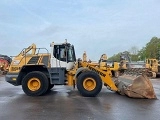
[(141, 87)]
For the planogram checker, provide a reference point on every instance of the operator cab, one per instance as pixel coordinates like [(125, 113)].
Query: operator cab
[(62, 55)]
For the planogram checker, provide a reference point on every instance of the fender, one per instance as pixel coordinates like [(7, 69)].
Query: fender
[(81, 69)]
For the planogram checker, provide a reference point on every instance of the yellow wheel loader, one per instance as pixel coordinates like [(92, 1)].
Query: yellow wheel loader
[(153, 67), (38, 72)]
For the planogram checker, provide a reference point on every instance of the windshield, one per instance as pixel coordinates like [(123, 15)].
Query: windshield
[(71, 54), (64, 53)]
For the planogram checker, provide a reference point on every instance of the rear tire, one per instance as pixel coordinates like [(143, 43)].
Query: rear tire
[(89, 84), (35, 83)]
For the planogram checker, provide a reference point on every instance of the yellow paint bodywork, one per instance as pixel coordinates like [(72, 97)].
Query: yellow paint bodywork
[(152, 64), (25, 56)]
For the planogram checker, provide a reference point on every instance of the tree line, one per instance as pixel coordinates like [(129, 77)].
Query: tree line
[(151, 50)]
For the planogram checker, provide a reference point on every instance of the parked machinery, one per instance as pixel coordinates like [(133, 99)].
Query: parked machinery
[(153, 67), (4, 64), (150, 67), (39, 72), (127, 66)]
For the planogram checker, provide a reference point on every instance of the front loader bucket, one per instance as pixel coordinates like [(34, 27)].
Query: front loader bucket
[(135, 86)]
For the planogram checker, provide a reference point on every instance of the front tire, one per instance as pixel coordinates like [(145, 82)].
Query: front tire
[(35, 83), (89, 84)]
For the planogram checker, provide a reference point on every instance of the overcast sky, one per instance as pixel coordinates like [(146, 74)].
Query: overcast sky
[(94, 26)]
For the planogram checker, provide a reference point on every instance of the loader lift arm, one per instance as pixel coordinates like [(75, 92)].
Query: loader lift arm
[(105, 75)]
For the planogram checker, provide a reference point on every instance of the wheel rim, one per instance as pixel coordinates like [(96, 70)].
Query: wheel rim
[(89, 84), (34, 84)]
